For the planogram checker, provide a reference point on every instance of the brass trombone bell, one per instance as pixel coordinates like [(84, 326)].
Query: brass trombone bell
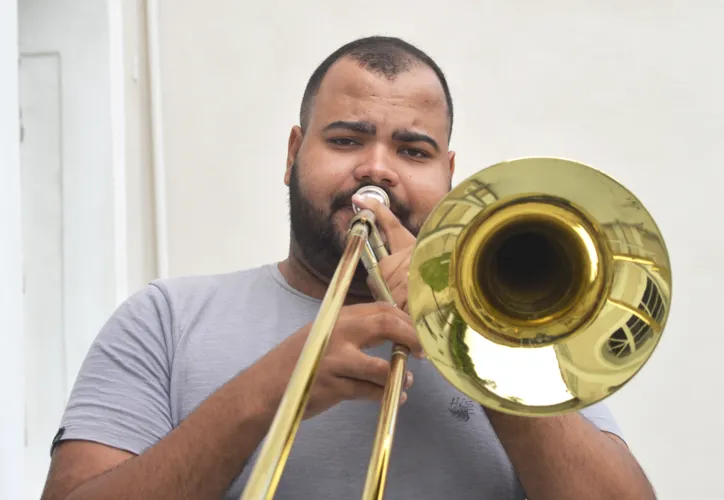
[(537, 286)]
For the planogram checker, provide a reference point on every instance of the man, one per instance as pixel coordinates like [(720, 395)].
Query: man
[(180, 386)]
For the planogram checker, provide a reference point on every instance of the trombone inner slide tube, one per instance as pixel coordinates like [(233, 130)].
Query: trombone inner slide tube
[(273, 455)]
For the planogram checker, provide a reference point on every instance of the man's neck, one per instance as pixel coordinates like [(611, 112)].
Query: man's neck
[(299, 277)]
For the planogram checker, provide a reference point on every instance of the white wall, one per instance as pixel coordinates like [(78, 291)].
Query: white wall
[(79, 32), (73, 114), (140, 230), (11, 297), (631, 87)]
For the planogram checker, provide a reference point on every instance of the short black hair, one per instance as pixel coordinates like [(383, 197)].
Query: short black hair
[(385, 56)]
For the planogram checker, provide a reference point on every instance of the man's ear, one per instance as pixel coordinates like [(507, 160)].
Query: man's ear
[(295, 143), (451, 161)]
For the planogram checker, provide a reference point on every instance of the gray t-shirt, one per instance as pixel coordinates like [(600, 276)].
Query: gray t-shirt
[(173, 343)]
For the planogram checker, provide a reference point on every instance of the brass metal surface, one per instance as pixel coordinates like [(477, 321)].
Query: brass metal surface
[(275, 449), (376, 478), (539, 286), (379, 463)]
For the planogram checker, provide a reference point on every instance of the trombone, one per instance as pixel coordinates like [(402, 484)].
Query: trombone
[(537, 287)]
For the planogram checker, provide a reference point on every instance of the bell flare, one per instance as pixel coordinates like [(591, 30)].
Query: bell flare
[(539, 286)]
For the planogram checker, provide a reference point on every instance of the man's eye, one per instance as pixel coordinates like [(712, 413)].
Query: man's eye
[(342, 141), (414, 153)]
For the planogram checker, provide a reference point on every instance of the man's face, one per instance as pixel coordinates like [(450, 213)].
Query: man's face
[(366, 130)]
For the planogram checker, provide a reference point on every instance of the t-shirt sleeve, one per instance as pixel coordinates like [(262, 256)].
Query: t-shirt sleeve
[(121, 395), (600, 415)]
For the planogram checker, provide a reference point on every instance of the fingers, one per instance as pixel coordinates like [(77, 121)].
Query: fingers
[(367, 325), (393, 325), (353, 314), (401, 244), (365, 377), (394, 270), (398, 237), (358, 365), (399, 295), (355, 364), (398, 288), (395, 266)]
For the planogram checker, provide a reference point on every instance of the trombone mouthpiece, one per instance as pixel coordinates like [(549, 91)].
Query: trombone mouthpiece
[(372, 192)]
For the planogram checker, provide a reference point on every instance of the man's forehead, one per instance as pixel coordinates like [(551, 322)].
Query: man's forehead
[(348, 87)]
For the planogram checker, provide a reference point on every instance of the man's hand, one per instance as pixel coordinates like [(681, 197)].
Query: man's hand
[(345, 371), (400, 242)]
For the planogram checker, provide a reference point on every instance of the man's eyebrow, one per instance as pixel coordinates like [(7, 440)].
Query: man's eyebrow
[(368, 128), (361, 127), (411, 136)]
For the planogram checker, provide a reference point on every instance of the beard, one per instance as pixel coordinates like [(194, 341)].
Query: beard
[(317, 241)]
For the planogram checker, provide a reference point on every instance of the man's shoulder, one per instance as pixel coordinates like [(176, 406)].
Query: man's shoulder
[(191, 288), (178, 301)]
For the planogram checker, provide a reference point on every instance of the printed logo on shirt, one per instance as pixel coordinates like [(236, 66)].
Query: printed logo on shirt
[(461, 408)]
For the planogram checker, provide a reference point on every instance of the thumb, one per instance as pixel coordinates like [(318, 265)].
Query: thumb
[(398, 237)]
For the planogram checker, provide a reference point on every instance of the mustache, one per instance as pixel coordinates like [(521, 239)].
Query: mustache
[(344, 199)]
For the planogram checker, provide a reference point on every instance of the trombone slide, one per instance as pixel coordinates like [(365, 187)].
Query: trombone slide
[(363, 243), (275, 450)]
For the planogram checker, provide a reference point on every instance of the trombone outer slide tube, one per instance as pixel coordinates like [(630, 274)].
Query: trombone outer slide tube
[(382, 447), (273, 455)]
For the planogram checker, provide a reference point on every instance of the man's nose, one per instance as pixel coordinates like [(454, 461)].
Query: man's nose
[(377, 169)]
